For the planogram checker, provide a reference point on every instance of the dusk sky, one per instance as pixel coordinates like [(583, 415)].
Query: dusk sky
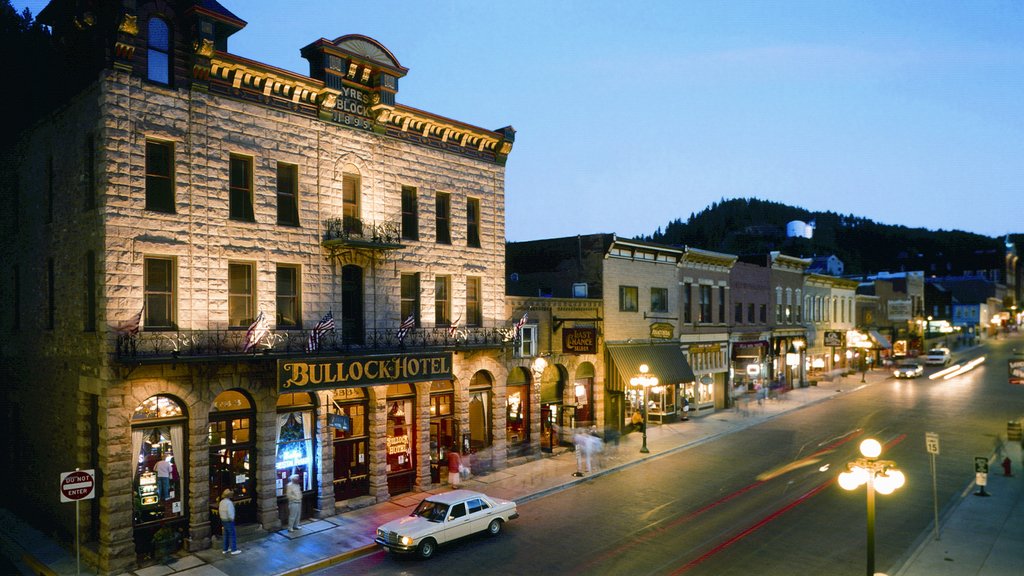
[(632, 114)]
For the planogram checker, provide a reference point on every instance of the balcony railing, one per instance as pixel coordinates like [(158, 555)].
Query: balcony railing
[(212, 345), (354, 231)]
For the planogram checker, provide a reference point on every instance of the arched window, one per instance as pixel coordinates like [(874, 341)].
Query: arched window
[(158, 53), (159, 460), (480, 411)]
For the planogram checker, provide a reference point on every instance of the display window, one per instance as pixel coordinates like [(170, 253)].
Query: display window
[(400, 438), (232, 454), (517, 408), (443, 428), (347, 422), (294, 428), (480, 411), (158, 445)]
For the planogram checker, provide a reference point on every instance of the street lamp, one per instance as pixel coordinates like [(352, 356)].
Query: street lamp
[(644, 381), (880, 475)]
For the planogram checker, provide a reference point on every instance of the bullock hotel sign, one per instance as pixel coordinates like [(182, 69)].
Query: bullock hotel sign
[(356, 371)]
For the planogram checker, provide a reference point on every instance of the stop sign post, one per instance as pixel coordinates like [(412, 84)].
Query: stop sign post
[(74, 487)]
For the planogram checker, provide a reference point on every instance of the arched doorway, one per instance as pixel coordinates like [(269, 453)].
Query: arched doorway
[(296, 414), (583, 393), (517, 412), (232, 442), (351, 304), (159, 457), (552, 419), (351, 443)]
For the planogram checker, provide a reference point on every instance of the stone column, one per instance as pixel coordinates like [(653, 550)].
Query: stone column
[(325, 436)]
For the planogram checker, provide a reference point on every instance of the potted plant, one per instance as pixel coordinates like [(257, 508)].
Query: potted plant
[(165, 542)]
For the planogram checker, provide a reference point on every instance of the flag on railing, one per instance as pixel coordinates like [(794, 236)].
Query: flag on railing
[(258, 330), (454, 327), (131, 325), (520, 323), (325, 325), (403, 329)]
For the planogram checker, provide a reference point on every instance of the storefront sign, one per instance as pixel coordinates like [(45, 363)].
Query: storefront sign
[(1017, 371), (579, 340), (749, 349), (704, 349), (328, 373), (899, 310), (663, 330), (398, 445), (833, 339)]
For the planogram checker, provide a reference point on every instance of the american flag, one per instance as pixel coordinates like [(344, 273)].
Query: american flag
[(325, 325), (521, 322), (403, 329), (131, 325), (257, 331), (454, 327)]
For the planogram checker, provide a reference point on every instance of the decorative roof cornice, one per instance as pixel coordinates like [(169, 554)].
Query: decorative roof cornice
[(831, 281), (700, 256)]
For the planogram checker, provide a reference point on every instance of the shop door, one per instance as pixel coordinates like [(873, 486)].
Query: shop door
[(443, 438), (549, 426), (230, 468), (351, 468)]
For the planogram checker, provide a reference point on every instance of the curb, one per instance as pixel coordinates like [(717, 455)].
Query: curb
[(331, 561)]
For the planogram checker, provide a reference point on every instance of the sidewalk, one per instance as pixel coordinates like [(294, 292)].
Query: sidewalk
[(972, 543)]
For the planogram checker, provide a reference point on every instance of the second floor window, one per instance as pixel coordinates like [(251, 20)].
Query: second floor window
[(241, 295), (158, 285), (287, 194), (527, 341), (241, 188), (410, 294), (750, 313), (659, 299), (473, 312), (410, 214), (764, 314), (442, 300), (158, 51), (721, 304), (289, 312), (628, 300), (738, 315), (443, 217), (159, 176), (705, 305), (687, 303), (473, 222)]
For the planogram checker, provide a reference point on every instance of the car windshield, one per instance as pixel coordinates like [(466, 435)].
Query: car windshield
[(936, 352), (433, 511), (910, 366)]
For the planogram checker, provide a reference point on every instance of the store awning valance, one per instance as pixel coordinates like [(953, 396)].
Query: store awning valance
[(665, 361), (879, 341)]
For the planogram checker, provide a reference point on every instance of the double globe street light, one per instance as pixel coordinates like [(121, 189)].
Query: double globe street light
[(879, 475), (646, 382)]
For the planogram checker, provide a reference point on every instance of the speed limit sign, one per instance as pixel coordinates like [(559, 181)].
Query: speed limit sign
[(931, 442)]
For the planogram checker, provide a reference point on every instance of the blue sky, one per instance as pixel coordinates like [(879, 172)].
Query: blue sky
[(632, 114)]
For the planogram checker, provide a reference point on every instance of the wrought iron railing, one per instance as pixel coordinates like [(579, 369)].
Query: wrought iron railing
[(205, 345), (350, 228)]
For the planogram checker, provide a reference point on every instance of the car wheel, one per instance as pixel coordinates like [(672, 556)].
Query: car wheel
[(427, 548), (494, 528)]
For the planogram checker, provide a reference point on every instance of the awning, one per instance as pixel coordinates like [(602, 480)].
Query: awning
[(666, 362), (879, 341)]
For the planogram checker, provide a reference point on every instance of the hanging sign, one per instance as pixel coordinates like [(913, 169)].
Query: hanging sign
[(579, 340)]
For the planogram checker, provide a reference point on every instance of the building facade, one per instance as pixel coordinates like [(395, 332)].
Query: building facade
[(246, 274)]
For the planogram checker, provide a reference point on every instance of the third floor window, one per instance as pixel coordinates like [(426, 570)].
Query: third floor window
[(241, 295), (241, 189), (410, 214), (159, 176), (287, 194), (443, 217), (473, 222)]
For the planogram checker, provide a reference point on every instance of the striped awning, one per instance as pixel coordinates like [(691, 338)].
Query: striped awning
[(880, 342), (665, 361)]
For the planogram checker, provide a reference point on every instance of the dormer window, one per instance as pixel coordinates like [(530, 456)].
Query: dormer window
[(158, 53)]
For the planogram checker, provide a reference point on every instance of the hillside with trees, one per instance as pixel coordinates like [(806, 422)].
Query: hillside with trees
[(752, 226)]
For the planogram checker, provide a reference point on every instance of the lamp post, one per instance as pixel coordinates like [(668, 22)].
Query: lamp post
[(879, 475), (644, 381)]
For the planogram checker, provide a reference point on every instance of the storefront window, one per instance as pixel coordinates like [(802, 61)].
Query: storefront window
[(294, 440), (400, 434), (347, 422), (517, 408), (231, 444), (480, 411), (158, 446), (443, 431)]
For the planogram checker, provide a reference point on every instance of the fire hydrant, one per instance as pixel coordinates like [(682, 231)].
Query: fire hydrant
[(1006, 467)]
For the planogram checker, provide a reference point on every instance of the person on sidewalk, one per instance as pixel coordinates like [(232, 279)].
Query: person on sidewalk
[(293, 493), (454, 465), (226, 509)]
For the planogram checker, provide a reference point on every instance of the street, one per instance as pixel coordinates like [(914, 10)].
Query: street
[(760, 501)]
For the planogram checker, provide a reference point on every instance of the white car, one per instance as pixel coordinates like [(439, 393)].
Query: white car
[(908, 370), (938, 357), (444, 517)]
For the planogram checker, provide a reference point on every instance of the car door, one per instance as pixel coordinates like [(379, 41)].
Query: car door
[(458, 523), (480, 513)]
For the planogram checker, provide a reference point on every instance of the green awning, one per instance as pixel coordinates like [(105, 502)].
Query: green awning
[(665, 361)]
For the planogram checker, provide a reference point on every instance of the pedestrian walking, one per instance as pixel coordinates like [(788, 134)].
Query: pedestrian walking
[(293, 493), (226, 510), (454, 467)]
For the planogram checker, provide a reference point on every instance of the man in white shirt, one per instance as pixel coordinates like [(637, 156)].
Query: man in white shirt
[(293, 493)]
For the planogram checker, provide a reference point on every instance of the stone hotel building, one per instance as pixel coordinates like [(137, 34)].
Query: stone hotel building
[(245, 272)]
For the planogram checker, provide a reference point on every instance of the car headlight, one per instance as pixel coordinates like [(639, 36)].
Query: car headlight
[(406, 541)]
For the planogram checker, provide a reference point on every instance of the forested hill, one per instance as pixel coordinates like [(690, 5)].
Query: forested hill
[(752, 226)]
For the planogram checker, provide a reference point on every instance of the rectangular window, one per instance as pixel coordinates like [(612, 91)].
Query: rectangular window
[(442, 300), (241, 295), (410, 297), (90, 291), (89, 174), (778, 313), (289, 310), (159, 294), (474, 317), (687, 303), (410, 214), (473, 222), (705, 305), (764, 314), (721, 304), (659, 299), (738, 315), (750, 313), (442, 217), (287, 194), (527, 341), (350, 210), (159, 176), (240, 182), (51, 298), (628, 299)]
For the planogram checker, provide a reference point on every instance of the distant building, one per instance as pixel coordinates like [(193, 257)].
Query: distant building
[(829, 265), (800, 229)]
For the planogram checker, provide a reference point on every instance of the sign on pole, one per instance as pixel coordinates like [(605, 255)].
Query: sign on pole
[(77, 485), (931, 441)]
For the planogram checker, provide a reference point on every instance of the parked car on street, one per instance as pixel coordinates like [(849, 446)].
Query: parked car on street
[(908, 370), (441, 518), (938, 357)]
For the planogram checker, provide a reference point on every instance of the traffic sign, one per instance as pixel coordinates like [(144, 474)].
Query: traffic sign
[(931, 441), (980, 465), (77, 485)]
